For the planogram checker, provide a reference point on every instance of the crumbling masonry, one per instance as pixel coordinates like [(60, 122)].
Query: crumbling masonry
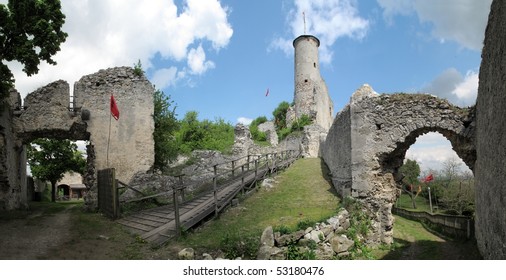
[(126, 144)]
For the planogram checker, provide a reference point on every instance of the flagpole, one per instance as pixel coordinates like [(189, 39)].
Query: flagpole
[(109, 139)]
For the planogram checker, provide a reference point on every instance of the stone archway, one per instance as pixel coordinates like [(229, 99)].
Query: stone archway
[(367, 143), (48, 113)]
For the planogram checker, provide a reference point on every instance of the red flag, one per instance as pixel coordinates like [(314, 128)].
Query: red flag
[(267, 93), (428, 178), (114, 108)]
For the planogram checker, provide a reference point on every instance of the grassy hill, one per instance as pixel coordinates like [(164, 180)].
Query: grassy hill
[(301, 195)]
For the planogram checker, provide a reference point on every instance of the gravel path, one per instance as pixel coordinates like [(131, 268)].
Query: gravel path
[(33, 237)]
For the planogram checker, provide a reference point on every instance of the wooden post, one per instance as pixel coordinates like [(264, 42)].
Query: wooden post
[(233, 168), (248, 161), (242, 178), (176, 211), (117, 208), (214, 191), (256, 169), (181, 186)]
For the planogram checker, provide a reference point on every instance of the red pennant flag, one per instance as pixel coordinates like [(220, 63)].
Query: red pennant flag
[(114, 108), (267, 93), (428, 178)]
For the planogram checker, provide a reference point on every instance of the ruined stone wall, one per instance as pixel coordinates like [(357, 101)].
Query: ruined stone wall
[(130, 148), (490, 171), (382, 128), (13, 192), (336, 152), (46, 114), (270, 130)]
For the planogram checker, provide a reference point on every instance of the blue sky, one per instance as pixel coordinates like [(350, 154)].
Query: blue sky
[(219, 57)]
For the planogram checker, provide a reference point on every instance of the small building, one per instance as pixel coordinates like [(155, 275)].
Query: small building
[(70, 187)]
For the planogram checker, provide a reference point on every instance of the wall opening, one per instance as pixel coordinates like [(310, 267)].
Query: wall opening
[(445, 184)]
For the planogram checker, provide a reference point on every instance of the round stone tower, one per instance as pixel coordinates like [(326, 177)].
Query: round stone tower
[(311, 95)]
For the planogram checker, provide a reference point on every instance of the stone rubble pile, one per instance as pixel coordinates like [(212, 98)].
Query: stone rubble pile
[(328, 238)]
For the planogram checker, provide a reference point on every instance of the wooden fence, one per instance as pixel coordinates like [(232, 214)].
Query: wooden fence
[(221, 173), (108, 198), (192, 201), (450, 225)]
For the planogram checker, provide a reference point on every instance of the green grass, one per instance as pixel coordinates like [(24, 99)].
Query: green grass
[(301, 194), (422, 204)]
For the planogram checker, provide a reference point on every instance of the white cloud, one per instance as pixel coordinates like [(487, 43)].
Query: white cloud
[(326, 19), (431, 150), (451, 85), (467, 90), (197, 61), (112, 33), (244, 120), (164, 77), (462, 21)]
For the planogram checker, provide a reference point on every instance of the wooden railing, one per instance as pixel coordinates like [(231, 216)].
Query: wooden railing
[(450, 225), (218, 188)]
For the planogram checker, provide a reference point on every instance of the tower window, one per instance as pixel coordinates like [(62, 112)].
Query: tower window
[(305, 81), (314, 64)]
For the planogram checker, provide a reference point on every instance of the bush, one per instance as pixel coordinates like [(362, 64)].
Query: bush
[(236, 245), (280, 115), (204, 135), (298, 125), (256, 134)]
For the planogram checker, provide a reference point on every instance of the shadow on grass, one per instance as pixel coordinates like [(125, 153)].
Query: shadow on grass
[(432, 250), (326, 175)]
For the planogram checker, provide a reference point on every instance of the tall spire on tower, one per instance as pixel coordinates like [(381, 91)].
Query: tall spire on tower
[(304, 19)]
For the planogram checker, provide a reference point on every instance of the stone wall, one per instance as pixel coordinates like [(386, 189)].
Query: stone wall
[(336, 152), (13, 192), (376, 131), (270, 130), (490, 172), (130, 146), (47, 113)]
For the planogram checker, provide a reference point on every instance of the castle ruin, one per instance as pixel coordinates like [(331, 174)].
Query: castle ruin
[(126, 144), (311, 95)]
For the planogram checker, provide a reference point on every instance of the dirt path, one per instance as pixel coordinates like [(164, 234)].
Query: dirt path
[(33, 237)]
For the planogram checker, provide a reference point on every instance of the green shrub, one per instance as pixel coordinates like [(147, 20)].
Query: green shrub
[(282, 229), (295, 252), (304, 224), (236, 245), (256, 134), (204, 135), (298, 125)]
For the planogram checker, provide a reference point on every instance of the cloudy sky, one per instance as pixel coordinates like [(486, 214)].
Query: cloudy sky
[(220, 57)]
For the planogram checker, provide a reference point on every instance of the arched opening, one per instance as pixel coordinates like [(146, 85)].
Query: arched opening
[(63, 192), (435, 179), (463, 147)]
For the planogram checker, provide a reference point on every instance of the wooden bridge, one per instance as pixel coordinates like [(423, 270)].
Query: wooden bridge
[(158, 225)]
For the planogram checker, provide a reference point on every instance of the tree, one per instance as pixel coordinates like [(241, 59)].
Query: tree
[(166, 125), (410, 171), (50, 159), (458, 188), (280, 115), (204, 135), (30, 32)]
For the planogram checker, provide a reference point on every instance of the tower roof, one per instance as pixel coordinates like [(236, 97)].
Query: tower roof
[(306, 37)]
